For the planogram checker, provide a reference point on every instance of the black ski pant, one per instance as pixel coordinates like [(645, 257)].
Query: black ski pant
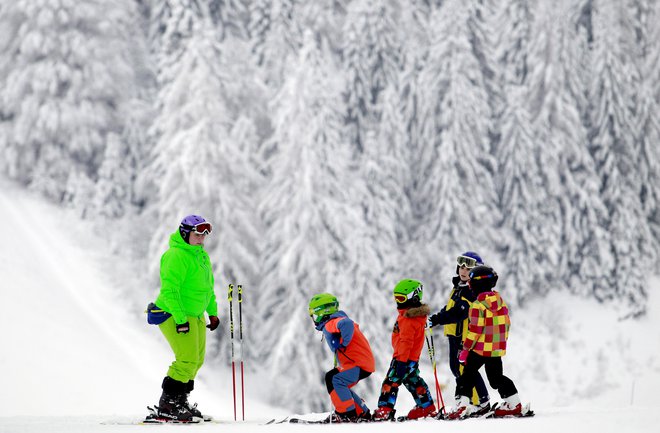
[(494, 373), (455, 346)]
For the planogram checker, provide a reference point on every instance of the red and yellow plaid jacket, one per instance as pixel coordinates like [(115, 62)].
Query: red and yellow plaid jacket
[(489, 325)]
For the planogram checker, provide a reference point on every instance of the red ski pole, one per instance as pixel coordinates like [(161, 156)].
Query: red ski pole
[(438, 391), (240, 338), (231, 333)]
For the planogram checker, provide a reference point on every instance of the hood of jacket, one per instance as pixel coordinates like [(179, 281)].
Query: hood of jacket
[(176, 241), (422, 310), (491, 301)]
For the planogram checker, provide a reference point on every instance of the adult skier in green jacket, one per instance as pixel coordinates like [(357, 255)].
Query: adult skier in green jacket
[(186, 293)]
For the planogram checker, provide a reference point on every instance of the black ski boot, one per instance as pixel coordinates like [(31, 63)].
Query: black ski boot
[(172, 405), (343, 417), (190, 386)]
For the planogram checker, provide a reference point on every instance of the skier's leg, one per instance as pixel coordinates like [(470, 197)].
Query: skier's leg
[(328, 379), (360, 405), (505, 387), (185, 348), (418, 387), (200, 324), (495, 373), (389, 389), (455, 345), (465, 382), (480, 389), (201, 342), (341, 395)]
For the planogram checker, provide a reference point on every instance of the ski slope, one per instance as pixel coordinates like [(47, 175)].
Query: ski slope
[(77, 356)]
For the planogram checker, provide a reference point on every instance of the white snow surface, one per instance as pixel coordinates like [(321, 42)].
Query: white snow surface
[(75, 356)]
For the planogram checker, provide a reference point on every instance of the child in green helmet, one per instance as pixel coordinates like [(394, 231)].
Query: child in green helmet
[(407, 341), (355, 361)]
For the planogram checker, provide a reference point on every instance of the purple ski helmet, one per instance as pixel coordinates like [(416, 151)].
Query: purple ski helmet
[(468, 259), (194, 223)]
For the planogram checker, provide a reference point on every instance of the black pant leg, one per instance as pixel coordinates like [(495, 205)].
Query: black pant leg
[(465, 382), (455, 346), (495, 373), (328, 379)]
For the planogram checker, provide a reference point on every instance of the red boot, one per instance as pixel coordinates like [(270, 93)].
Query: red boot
[(422, 412), (506, 409), (510, 407), (460, 411), (383, 413)]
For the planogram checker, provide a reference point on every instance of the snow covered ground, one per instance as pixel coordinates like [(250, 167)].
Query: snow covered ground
[(75, 356)]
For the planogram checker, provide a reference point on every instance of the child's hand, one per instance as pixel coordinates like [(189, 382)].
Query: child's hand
[(335, 343), (435, 319), (462, 356)]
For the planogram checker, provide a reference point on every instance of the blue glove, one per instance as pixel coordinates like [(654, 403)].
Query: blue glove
[(335, 342)]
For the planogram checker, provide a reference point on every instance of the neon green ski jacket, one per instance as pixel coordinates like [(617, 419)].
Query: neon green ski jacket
[(186, 281)]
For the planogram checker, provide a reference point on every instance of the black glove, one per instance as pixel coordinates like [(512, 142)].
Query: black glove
[(183, 328), (435, 319), (214, 323)]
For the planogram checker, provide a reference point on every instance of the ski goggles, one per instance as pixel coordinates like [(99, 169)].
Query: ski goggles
[(466, 262), (204, 228), (400, 298), (316, 317), (321, 311)]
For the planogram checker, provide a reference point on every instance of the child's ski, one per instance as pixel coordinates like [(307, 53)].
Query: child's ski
[(526, 412)]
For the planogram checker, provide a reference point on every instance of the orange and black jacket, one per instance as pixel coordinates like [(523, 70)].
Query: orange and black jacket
[(408, 333)]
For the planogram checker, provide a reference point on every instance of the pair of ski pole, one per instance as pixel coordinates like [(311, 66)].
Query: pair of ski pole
[(438, 391), (230, 297)]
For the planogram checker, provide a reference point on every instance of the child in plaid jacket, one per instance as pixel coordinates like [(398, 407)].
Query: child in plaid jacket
[(485, 345)]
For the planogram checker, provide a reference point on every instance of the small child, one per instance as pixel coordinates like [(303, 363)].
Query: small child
[(485, 345), (407, 341), (352, 353)]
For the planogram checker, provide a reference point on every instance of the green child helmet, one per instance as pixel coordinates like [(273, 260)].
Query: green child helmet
[(408, 293), (321, 306)]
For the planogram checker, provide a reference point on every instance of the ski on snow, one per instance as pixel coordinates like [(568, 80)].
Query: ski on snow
[(526, 412), (155, 418)]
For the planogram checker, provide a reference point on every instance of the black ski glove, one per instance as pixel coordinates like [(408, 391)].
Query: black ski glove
[(183, 328), (435, 319), (214, 323)]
